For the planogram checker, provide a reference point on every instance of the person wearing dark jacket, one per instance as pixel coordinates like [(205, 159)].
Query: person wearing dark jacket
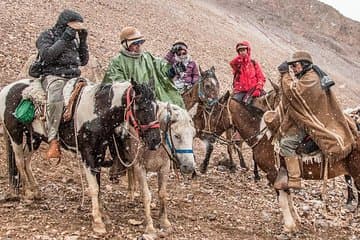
[(62, 49)]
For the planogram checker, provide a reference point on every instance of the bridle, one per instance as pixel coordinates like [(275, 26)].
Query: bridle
[(130, 115), (209, 102), (170, 144)]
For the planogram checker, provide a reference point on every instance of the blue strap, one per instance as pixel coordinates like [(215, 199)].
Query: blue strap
[(176, 150)]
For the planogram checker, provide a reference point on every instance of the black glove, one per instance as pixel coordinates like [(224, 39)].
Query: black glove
[(180, 67), (83, 35), (69, 34), (284, 67), (174, 49)]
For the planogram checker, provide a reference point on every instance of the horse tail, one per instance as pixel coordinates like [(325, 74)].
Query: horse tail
[(14, 176)]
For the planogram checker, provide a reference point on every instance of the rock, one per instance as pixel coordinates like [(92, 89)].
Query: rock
[(135, 222)]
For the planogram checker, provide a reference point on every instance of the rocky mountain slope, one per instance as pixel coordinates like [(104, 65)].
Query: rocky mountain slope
[(211, 28), (218, 205)]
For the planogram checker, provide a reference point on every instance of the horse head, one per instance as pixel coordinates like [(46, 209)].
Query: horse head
[(210, 87), (145, 114), (179, 132)]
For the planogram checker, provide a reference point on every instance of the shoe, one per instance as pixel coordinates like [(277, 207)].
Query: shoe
[(54, 150)]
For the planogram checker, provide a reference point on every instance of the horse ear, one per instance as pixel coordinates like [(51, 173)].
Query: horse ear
[(200, 70), (133, 82), (212, 68), (275, 86)]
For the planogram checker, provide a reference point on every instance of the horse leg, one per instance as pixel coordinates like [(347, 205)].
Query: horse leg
[(289, 222), (33, 185), (20, 164), (209, 149), (241, 157), (293, 208), (162, 182), (94, 188), (350, 196), (131, 183), (140, 172), (256, 172)]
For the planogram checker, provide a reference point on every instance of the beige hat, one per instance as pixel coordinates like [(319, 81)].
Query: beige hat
[(300, 56), (76, 25), (129, 35)]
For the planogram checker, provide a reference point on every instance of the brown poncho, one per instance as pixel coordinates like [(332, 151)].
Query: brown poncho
[(304, 104)]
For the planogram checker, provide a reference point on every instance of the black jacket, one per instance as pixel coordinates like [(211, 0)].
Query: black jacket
[(61, 58)]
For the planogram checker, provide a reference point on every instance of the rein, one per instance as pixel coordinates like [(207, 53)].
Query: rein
[(130, 115)]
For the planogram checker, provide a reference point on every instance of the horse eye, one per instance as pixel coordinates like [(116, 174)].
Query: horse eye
[(177, 136)]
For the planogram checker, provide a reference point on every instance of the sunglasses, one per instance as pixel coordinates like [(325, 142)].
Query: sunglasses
[(139, 42), (181, 53)]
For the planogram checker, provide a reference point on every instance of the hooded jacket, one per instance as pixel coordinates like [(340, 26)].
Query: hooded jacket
[(144, 68), (62, 58), (247, 72)]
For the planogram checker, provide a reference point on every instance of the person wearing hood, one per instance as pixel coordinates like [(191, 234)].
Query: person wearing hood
[(134, 63), (62, 49), (248, 76), (184, 71)]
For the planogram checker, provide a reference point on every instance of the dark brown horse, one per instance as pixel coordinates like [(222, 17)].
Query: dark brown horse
[(202, 97), (263, 154)]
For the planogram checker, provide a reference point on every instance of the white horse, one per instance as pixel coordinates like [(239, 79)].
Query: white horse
[(177, 130)]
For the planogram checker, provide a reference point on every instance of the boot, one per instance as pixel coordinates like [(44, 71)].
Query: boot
[(54, 149), (294, 172)]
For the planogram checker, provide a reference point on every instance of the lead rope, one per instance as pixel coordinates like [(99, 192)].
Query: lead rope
[(77, 151), (118, 154)]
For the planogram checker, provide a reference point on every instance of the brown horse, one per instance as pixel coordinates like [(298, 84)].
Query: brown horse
[(202, 97), (263, 154)]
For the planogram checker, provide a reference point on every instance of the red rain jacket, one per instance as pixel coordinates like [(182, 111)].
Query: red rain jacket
[(247, 73)]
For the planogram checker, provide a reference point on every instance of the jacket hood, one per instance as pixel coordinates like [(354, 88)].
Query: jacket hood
[(68, 16)]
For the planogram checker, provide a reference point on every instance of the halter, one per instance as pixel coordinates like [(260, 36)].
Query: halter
[(169, 142), (208, 102), (131, 117)]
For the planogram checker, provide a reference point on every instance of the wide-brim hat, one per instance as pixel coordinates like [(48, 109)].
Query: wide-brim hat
[(76, 25), (300, 56), (131, 35)]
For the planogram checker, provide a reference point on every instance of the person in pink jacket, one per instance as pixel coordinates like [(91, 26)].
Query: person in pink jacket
[(184, 71), (248, 76)]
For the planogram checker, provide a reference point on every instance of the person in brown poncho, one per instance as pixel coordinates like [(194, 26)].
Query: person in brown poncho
[(308, 107)]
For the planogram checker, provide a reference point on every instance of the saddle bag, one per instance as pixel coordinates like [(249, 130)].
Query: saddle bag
[(36, 68), (25, 111)]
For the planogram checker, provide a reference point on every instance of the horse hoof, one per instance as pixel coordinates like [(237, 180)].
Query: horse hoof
[(203, 169), (99, 228), (232, 169), (150, 230), (165, 224), (256, 178), (290, 229)]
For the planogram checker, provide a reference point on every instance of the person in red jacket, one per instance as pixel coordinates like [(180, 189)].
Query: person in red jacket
[(249, 79)]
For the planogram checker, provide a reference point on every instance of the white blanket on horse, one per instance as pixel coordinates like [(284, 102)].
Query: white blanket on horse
[(36, 93)]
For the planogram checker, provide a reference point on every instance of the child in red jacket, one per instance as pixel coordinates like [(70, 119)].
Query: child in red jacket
[(248, 76)]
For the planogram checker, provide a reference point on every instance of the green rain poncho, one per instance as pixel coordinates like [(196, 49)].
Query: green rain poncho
[(144, 68)]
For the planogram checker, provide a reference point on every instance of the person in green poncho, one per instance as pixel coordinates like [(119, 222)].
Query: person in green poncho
[(133, 63)]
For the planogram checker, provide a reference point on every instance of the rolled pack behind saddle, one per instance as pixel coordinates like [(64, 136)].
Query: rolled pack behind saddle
[(34, 100)]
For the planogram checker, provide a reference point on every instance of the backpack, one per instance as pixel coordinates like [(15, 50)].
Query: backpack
[(36, 68), (325, 81)]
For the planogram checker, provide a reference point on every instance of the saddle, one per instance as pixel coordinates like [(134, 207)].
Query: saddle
[(37, 95)]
